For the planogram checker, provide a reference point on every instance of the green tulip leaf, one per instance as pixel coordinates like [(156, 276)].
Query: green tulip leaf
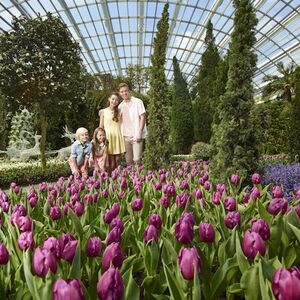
[(132, 290), (263, 212), (76, 223), (250, 283), (235, 288), (196, 287), (241, 258), (264, 290), (173, 284), (296, 231), (75, 271)]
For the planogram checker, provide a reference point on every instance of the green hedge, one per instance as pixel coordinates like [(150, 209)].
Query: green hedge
[(30, 173)]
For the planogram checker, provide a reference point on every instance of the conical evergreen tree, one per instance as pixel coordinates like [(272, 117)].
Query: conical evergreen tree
[(294, 132), (157, 152), (235, 136), (181, 113), (204, 106)]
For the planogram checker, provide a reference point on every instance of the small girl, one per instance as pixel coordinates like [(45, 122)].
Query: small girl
[(110, 121), (98, 156)]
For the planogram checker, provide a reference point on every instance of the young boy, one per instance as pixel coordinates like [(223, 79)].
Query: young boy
[(80, 152)]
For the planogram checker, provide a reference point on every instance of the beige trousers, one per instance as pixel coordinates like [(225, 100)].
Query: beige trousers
[(134, 151)]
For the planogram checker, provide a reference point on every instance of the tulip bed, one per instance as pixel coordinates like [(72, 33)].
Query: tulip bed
[(171, 234)]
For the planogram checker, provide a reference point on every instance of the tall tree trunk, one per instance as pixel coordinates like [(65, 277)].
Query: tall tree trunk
[(43, 133)]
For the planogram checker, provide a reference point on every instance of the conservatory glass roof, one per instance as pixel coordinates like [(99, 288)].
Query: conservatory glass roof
[(113, 34)]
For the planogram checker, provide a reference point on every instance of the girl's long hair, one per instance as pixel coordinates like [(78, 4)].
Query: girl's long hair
[(116, 109), (95, 141)]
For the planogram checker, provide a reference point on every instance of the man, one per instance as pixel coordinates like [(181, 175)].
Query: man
[(133, 124)]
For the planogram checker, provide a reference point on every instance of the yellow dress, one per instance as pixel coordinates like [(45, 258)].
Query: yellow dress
[(116, 144)]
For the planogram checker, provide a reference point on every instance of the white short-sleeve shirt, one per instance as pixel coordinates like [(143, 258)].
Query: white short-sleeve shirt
[(131, 112)]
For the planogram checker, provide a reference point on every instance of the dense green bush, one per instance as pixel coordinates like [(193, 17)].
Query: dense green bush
[(201, 150), (30, 173)]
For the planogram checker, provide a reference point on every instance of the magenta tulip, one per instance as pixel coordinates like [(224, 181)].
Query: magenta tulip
[(137, 204), (253, 244), (69, 289), (110, 285), (286, 284), (25, 240), (230, 204), (52, 244), (277, 205), (4, 255), (93, 247), (67, 245), (43, 261), (235, 179), (155, 220), (55, 213), (262, 228), (150, 233), (112, 254), (256, 179), (189, 260), (232, 219), (277, 192), (206, 232)]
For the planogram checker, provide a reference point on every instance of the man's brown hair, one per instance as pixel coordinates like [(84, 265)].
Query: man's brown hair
[(123, 84)]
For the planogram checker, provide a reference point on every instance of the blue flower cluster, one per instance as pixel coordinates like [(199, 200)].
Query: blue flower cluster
[(286, 176)]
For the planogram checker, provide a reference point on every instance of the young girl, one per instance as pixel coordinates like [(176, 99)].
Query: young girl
[(110, 121), (98, 157)]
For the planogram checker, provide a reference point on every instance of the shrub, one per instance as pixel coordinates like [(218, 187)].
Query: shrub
[(201, 150), (30, 173)]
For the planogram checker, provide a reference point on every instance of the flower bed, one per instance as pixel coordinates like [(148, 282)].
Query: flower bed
[(171, 234)]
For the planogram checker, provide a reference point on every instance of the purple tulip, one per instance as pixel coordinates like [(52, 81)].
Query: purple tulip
[(207, 185), (205, 176), (43, 186), (184, 231), (93, 247), (155, 220), (188, 259), (33, 201), (256, 179), (52, 244), (78, 208), (230, 204), (198, 193), (277, 205), (67, 246), (150, 233), (297, 194), (181, 200), (277, 192), (69, 289), (110, 285), (24, 223), (105, 193), (112, 254), (169, 190), (55, 213), (43, 261), (184, 185), (25, 240), (164, 201), (286, 284), (255, 193), (4, 255), (235, 179), (158, 186), (206, 232), (232, 219), (216, 198), (297, 210), (114, 236), (252, 244), (20, 210), (95, 197), (262, 228), (117, 222), (246, 197), (137, 204), (221, 187)]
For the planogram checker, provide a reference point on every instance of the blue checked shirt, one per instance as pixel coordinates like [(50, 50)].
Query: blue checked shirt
[(81, 152)]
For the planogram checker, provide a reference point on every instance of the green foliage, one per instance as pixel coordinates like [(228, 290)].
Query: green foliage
[(181, 113), (137, 75), (30, 173), (280, 86), (157, 150), (234, 137), (271, 122), (3, 123), (201, 150), (204, 107), (294, 130), (40, 65)]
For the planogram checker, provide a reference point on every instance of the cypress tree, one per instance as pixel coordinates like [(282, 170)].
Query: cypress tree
[(294, 132), (157, 152), (234, 136), (181, 113), (204, 106)]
